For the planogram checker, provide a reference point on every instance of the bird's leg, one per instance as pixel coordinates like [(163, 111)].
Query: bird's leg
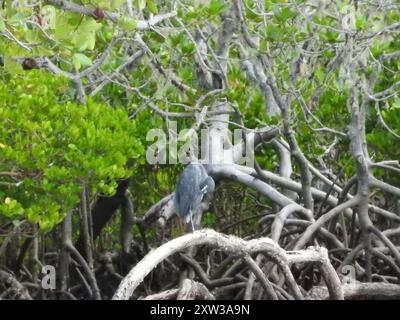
[(191, 220)]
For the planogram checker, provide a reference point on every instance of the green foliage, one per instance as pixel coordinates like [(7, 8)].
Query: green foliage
[(208, 219), (383, 142), (54, 147), (60, 146), (50, 30)]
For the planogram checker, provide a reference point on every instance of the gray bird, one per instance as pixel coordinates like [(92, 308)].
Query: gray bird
[(193, 184)]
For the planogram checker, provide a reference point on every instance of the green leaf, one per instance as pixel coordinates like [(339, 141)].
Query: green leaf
[(115, 4), (188, 47), (19, 18), (151, 6), (76, 62), (2, 25), (275, 32), (284, 14), (361, 21), (72, 146), (140, 4), (50, 15), (216, 7), (396, 104), (320, 74), (127, 24), (84, 60), (12, 66)]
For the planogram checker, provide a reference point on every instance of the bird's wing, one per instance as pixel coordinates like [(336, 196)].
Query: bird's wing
[(207, 185), (185, 191), (190, 190), (203, 171), (203, 186)]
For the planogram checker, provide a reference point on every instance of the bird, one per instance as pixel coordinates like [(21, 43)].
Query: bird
[(194, 183)]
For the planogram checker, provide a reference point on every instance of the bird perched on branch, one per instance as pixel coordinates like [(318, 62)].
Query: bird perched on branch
[(194, 183)]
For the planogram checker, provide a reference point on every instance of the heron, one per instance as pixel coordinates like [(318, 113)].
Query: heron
[(194, 183)]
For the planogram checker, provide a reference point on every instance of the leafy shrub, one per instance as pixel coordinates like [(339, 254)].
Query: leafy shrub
[(50, 148)]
